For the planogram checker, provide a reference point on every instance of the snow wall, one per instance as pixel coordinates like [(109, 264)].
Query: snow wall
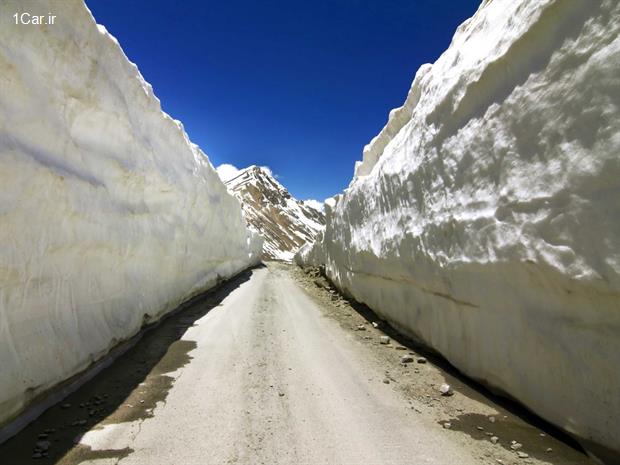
[(484, 219), (109, 216)]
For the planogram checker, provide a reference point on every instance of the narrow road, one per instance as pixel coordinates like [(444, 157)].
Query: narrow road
[(254, 374)]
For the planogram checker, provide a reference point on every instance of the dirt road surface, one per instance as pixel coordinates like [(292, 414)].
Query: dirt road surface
[(275, 367)]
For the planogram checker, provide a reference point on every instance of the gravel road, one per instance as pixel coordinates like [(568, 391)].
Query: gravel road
[(272, 369)]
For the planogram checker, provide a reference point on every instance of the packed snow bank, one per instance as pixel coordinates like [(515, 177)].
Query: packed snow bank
[(109, 215), (485, 218)]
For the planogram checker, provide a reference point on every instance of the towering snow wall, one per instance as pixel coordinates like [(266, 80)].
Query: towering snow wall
[(484, 219), (109, 215)]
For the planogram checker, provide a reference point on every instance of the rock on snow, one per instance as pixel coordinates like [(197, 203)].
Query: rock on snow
[(484, 218), (110, 216)]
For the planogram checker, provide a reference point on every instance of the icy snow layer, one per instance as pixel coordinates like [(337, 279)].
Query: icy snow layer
[(485, 217), (109, 215), (285, 223)]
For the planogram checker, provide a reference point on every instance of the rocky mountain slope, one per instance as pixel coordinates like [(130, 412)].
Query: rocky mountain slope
[(284, 222), (110, 218), (484, 219)]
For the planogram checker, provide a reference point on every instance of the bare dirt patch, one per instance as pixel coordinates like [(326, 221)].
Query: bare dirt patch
[(504, 432)]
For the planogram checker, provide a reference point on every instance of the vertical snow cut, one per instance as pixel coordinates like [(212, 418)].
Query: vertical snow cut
[(109, 215), (484, 219)]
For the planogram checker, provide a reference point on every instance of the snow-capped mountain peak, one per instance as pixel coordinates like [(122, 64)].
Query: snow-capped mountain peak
[(285, 222)]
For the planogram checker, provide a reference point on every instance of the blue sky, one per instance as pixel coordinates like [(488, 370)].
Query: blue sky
[(299, 86)]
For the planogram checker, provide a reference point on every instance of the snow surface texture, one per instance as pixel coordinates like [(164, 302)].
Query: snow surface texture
[(285, 223), (484, 219), (110, 216)]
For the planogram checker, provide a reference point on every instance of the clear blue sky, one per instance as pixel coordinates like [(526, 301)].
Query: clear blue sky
[(299, 86)]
